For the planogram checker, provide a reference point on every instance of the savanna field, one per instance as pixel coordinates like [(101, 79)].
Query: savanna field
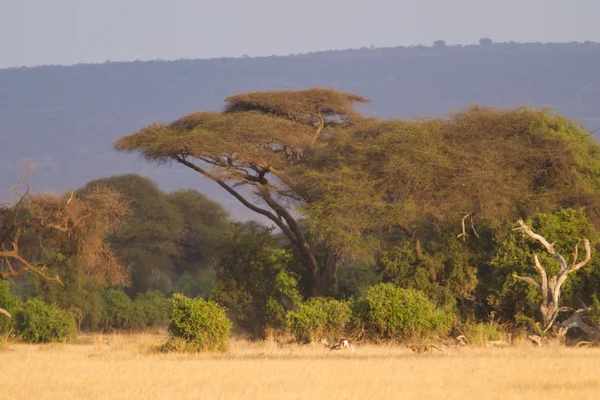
[(128, 367)]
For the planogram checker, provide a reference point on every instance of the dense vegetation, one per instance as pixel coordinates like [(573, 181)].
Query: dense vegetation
[(382, 229)]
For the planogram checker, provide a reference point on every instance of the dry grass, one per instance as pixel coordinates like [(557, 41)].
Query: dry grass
[(125, 367)]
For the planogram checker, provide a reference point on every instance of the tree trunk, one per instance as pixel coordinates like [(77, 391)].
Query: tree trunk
[(575, 321)]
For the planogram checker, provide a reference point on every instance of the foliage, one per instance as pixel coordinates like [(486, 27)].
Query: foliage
[(167, 234), (254, 281), (595, 310), (79, 293), (73, 226), (206, 226), (202, 324), (196, 284), (146, 244), (10, 303), (354, 280), (260, 140), (395, 313), (379, 176), (319, 317), (117, 310), (444, 269), (149, 309), (508, 297), (39, 322)]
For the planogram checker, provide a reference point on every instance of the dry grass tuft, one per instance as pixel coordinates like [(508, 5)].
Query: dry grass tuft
[(126, 367)]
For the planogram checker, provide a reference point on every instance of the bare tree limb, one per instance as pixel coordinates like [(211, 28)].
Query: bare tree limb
[(529, 280), (551, 288), (549, 247), (3, 311)]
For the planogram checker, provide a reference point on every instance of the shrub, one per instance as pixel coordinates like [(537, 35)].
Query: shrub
[(117, 310), (10, 303), (391, 312), (39, 322), (150, 309), (202, 324), (319, 317), (255, 283)]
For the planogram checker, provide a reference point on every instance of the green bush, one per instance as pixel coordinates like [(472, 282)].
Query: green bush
[(10, 303), (254, 282), (39, 322), (390, 312), (202, 324), (150, 309), (117, 310), (80, 293), (317, 317)]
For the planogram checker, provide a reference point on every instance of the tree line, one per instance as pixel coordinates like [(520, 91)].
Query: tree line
[(425, 205)]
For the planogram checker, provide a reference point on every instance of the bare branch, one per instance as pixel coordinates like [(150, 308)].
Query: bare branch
[(551, 289), (464, 233), (549, 247), (239, 197), (529, 280), (3, 311)]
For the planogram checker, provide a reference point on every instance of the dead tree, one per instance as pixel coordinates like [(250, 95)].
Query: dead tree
[(551, 287), (74, 225), (576, 321)]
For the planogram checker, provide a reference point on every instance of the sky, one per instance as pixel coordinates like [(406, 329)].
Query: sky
[(41, 32)]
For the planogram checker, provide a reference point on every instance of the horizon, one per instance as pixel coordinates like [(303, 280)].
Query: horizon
[(246, 56), (70, 32)]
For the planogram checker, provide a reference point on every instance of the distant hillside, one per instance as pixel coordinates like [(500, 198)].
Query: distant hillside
[(64, 119)]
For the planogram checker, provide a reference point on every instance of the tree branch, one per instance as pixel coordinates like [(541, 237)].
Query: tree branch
[(286, 230), (529, 280), (549, 247), (3, 311)]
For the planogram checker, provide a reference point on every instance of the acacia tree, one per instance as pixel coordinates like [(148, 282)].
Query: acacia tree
[(262, 140), (37, 232), (550, 288)]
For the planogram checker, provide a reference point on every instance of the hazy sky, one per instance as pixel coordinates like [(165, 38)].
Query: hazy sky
[(34, 32)]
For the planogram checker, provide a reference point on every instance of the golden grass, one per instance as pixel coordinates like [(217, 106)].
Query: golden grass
[(126, 367)]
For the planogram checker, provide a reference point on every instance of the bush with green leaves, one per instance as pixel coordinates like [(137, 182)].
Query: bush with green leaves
[(390, 312), (39, 322), (10, 303), (197, 325), (150, 309), (254, 282), (79, 293), (117, 310), (319, 317)]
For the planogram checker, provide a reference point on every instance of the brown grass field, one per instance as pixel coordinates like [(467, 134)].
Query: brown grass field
[(127, 367)]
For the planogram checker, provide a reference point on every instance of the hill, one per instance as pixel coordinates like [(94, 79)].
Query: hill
[(64, 119)]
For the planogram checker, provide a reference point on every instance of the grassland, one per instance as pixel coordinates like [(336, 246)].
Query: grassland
[(126, 367)]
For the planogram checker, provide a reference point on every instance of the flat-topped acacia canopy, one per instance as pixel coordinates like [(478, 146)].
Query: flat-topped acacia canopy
[(260, 139)]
